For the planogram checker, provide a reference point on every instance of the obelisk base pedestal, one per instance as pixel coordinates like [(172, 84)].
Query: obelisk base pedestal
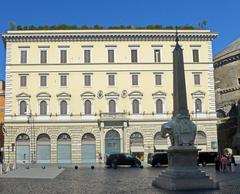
[(182, 172)]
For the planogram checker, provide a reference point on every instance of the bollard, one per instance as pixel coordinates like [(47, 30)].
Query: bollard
[(92, 167)]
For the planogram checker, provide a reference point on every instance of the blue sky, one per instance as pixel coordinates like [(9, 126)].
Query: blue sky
[(222, 16)]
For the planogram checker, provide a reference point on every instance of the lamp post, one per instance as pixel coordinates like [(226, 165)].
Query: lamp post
[(31, 122)]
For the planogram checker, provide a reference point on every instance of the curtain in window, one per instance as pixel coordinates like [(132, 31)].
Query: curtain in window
[(43, 108), (135, 105), (87, 107), (63, 107)]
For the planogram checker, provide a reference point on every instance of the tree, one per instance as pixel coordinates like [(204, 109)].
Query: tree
[(11, 26)]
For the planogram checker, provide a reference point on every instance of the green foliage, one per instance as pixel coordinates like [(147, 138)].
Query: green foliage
[(201, 25), (11, 26)]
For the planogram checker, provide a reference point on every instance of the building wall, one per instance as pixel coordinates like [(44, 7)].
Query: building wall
[(2, 106), (77, 124)]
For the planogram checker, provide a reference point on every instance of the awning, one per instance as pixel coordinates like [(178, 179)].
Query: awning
[(137, 149), (161, 147)]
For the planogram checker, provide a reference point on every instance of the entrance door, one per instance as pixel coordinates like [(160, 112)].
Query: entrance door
[(43, 153), (112, 142), (64, 153), (88, 148), (43, 149), (22, 148), (22, 153)]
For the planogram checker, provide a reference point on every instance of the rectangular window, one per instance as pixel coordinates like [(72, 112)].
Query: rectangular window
[(197, 79), (111, 80), (87, 80), (111, 56), (157, 56), (43, 80), (23, 81), (43, 56), (134, 80), (63, 58), (63, 80), (195, 55), (134, 57), (158, 79), (87, 56), (23, 56)]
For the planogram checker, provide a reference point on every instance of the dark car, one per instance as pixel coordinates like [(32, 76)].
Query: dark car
[(113, 160), (205, 158), (158, 158)]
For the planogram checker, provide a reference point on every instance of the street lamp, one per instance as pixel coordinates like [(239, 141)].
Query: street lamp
[(31, 122)]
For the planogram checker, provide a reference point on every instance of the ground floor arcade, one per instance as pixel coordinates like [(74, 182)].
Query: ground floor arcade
[(89, 142)]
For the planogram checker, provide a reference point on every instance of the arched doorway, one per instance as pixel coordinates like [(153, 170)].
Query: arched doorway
[(43, 148), (160, 143), (112, 142), (136, 145), (22, 148), (201, 141), (88, 148), (64, 148)]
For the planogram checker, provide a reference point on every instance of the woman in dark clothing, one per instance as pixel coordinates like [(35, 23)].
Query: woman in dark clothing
[(217, 163)]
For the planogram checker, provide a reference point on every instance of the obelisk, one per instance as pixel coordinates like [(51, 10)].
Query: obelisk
[(182, 172)]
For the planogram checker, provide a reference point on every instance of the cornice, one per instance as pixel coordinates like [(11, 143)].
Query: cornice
[(35, 36), (224, 61)]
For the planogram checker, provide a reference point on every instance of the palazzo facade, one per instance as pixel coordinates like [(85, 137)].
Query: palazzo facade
[(74, 96)]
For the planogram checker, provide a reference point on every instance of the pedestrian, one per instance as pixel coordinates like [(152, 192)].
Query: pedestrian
[(217, 161), (224, 163)]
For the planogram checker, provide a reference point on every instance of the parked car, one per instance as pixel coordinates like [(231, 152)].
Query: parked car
[(205, 158), (113, 160), (157, 159)]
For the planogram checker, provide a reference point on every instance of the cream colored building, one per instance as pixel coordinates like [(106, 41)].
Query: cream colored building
[(73, 96)]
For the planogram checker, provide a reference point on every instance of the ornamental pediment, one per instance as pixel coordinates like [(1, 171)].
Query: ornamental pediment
[(23, 94), (63, 95), (135, 93), (198, 93), (43, 94), (159, 93), (112, 94), (87, 94)]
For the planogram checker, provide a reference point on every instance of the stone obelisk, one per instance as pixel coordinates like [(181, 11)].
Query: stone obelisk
[(182, 172)]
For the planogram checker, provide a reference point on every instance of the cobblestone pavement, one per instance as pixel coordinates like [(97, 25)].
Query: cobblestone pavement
[(110, 181)]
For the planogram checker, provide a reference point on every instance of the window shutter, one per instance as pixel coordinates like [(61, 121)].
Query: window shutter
[(63, 56), (134, 56), (158, 79), (23, 56), (195, 55), (87, 56), (43, 56), (135, 80), (111, 56)]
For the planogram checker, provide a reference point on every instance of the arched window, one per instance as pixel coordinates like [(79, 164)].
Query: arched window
[(159, 140), (198, 105), (201, 138), (43, 138), (63, 107), (23, 107), (64, 137), (112, 106), (88, 138), (159, 106), (43, 107), (136, 139), (88, 107), (23, 138), (135, 106)]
